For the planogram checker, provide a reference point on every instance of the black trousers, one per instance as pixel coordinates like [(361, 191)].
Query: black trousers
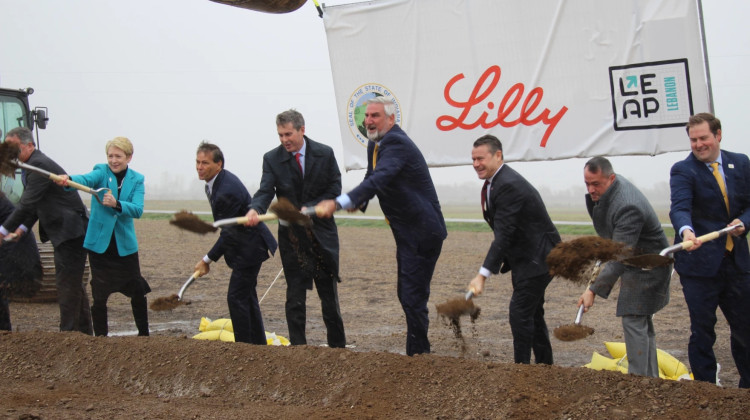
[(4, 308), (296, 309), (70, 263), (526, 316), (244, 309)]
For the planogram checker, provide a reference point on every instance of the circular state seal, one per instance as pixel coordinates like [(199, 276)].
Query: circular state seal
[(355, 109)]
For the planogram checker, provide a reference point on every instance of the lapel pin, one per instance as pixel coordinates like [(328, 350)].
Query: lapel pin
[(731, 166)]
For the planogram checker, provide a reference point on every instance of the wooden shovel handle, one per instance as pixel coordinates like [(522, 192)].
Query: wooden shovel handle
[(72, 184), (242, 220), (709, 236)]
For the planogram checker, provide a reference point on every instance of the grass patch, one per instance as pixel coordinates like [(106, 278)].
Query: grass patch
[(564, 229)]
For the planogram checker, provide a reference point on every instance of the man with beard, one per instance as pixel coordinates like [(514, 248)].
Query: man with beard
[(398, 175)]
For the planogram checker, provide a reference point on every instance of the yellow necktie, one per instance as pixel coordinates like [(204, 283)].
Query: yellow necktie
[(723, 188), (375, 155)]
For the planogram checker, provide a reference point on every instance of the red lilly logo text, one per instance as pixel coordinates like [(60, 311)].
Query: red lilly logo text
[(504, 109)]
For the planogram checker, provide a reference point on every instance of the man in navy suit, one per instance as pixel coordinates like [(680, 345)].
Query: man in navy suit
[(711, 190), (524, 235), (304, 172), (244, 248), (397, 173)]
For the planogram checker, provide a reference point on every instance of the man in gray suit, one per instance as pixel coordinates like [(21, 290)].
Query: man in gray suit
[(620, 212), (62, 219), (304, 172)]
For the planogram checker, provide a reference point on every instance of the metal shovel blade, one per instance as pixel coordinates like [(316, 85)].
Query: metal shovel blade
[(187, 284)]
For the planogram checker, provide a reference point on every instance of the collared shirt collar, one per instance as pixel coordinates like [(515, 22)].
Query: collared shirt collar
[(211, 181)]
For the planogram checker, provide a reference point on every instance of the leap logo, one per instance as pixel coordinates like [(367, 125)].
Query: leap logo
[(651, 95)]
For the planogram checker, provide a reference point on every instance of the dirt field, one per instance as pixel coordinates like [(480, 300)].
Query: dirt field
[(50, 375)]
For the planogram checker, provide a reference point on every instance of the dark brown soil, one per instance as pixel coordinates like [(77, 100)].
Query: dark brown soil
[(51, 375)]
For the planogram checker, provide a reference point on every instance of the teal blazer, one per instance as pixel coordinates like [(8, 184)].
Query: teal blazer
[(105, 220)]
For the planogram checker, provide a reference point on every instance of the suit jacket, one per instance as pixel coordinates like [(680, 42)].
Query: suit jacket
[(623, 214), (697, 201), (19, 261), (61, 213), (241, 246), (403, 185), (524, 232), (322, 181), (105, 220)]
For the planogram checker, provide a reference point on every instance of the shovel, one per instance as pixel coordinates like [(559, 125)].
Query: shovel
[(649, 261), (310, 211), (576, 331), (54, 177), (187, 284)]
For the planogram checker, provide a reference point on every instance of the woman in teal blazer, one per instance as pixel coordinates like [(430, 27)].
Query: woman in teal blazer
[(110, 237)]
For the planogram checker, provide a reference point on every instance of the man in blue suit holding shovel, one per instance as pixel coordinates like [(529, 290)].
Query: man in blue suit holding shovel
[(711, 190), (397, 174)]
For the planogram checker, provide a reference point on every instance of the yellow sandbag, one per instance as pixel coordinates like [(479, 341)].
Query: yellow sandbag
[(599, 362), (672, 368), (616, 350), (221, 329), (219, 324), (669, 366), (276, 340), (215, 335)]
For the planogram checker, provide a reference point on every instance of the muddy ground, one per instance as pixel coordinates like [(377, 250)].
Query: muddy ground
[(51, 375)]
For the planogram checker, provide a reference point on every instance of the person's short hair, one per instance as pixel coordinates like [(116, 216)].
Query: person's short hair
[(388, 106), (599, 163), (493, 143), (216, 153), (713, 123), (290, 116), (122, 143), (23, 134)]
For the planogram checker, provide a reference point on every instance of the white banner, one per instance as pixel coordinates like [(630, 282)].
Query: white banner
[(551, 79)]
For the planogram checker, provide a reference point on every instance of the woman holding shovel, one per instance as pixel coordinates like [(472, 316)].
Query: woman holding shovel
[(110, 240)]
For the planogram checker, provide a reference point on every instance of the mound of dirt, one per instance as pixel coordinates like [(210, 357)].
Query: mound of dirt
[(70, 375), (52, 375)]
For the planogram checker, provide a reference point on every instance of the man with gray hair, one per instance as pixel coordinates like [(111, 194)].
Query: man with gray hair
[(397, 173), (304, 172), (620, 212), (62, 220)]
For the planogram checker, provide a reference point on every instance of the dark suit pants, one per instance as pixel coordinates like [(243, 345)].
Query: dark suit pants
[(730, 291), (416, 264), (70, 263), (526, 316), (296, 309), (244, 308), (4, 309)]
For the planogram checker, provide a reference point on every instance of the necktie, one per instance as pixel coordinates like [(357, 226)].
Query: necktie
[(484, 195), (208, 192), (297, 156), (723, 188), (375, 155), (23, 177)]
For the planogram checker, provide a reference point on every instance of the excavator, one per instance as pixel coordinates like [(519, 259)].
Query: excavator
[(269, 6)]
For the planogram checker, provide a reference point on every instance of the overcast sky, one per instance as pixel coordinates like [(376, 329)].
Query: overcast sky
[(170, 73)]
